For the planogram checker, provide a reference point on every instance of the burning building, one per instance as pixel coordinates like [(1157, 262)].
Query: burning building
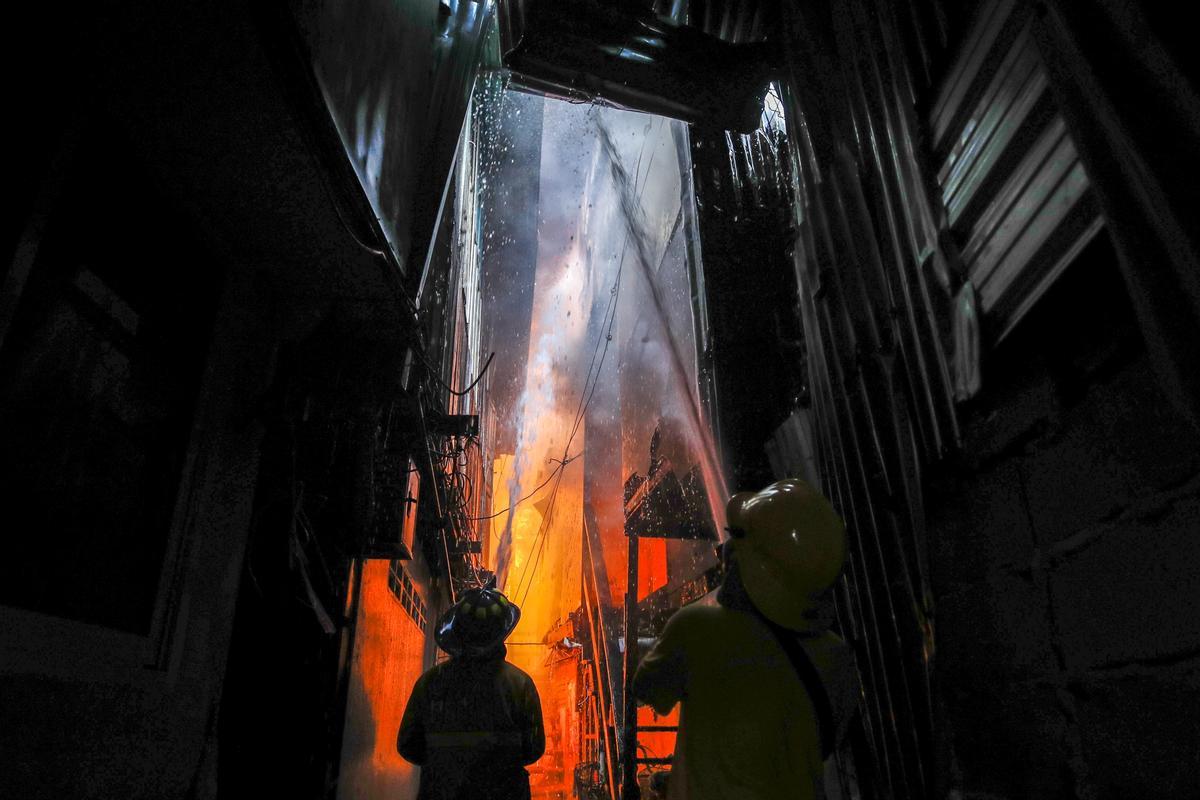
[(316, 315)]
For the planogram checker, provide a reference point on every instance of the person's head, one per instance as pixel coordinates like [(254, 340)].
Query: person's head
[(787, 546), (477, 624)]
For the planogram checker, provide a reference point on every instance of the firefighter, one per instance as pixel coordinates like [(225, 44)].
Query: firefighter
[(474, 722), (766, 689)]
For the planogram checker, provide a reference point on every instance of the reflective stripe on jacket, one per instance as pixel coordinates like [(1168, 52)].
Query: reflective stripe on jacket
[(473, 724)]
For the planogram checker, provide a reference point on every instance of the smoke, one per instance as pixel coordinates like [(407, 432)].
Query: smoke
[(540, 411), (682, 379), (610, 191), (547, 410)]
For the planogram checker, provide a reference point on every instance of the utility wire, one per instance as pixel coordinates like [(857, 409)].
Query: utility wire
[(544, 535), (585, 400), (436, 373), (561, 464), (585, 397)]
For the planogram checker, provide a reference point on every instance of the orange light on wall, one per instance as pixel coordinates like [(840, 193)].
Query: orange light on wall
[(652, 566), (543, 578), (658, 744), (388, 658)]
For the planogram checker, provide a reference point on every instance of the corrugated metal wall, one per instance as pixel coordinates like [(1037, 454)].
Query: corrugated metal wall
[(937, 194), (1015, 192)]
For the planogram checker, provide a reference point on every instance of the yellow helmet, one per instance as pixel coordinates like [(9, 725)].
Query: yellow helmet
[(790, 546)]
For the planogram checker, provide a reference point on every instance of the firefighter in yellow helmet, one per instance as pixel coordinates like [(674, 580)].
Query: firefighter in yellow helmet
[(766, 688), (474, 722)]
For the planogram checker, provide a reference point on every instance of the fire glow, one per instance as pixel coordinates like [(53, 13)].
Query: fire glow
[(605, 388), (604, 375)]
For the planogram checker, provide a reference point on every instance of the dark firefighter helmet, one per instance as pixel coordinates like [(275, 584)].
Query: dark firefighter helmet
[(477, 623)]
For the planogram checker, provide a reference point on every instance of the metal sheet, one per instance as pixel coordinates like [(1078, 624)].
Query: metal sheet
[(397, 77), (1016, 195)]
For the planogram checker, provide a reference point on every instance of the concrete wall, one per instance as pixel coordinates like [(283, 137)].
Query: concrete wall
[(390, 653), (1065, 548)]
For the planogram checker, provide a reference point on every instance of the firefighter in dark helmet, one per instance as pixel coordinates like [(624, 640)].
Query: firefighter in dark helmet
[(474, 722)]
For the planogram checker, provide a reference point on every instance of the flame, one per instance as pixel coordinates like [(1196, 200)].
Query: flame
[(577, 314), (537, 541), (535, 544), (545, 425)]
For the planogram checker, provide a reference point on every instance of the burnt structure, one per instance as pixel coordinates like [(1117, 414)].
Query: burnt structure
[(952, 278)]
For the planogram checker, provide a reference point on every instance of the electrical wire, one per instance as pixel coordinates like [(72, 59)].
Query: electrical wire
[(585, 401), (435, 372), (532, 492), (458, 499), (457, 489), (437, 501), (544, 535), (585, 398)]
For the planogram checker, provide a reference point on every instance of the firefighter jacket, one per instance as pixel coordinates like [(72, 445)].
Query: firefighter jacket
[(748, 727), (473, 724)]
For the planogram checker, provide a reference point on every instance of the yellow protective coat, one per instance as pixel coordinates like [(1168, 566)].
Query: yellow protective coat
[(748, 730)]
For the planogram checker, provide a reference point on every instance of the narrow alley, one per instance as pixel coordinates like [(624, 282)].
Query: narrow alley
[(809, 388)]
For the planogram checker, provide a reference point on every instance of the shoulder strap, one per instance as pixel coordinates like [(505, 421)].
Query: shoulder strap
[(807, 672)]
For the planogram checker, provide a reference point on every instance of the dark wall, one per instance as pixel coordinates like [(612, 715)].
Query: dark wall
[(397, 77), (1065, 559), (753, 353), (98, 380), (1048, 647), (204, 242)]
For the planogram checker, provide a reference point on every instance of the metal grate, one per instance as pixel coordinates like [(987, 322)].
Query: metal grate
[(405, 592)]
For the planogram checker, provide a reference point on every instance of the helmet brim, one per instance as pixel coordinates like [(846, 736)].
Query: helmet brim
[(777, 598), (454, 633)]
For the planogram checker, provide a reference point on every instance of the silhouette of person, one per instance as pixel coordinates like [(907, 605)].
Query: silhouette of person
[(474, 722)]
